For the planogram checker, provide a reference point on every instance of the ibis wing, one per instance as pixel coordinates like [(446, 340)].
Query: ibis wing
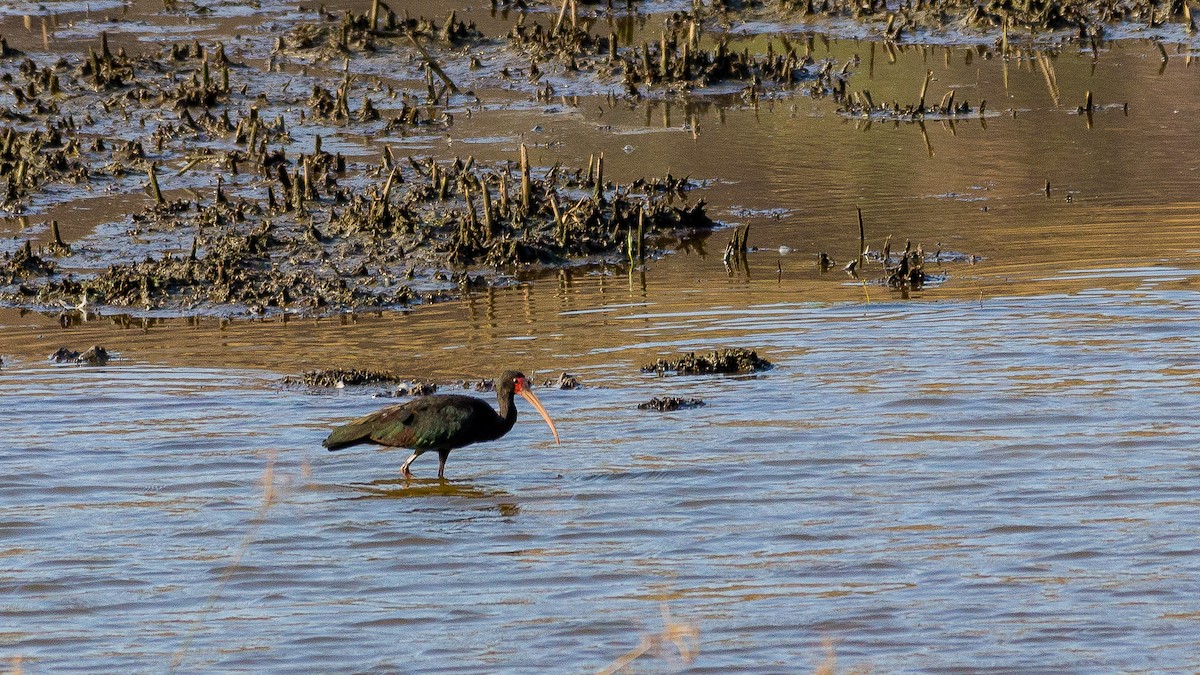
[(432, 422), (421, 424), (363, 429)]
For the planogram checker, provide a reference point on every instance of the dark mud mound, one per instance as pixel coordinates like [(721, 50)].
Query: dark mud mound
[(723, 361), (670, 403), (564, 381), (337, 377), (676, 60), (94, 356)]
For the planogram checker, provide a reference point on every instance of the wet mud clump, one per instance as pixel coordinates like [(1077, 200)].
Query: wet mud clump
[(416, 389), (463, 214), (564, 381), (739, 361), (896, 22), (373, 30), (903, 272), (861, 104), (94, 356), (22, 264), (336, 378), (677, 61), (669, 403), (908, 271)]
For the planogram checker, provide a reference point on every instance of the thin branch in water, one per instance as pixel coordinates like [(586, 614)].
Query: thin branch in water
[(269, 496), (685, 637)]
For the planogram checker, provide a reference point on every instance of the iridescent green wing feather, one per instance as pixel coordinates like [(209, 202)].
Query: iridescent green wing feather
[(362, 429), (427, 423)]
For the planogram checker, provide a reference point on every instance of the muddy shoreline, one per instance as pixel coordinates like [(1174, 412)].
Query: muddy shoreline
[(245, 213)]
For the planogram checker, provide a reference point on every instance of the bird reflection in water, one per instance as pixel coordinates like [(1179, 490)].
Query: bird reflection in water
[(481, 498)]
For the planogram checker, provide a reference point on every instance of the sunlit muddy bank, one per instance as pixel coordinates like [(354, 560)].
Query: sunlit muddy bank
[(286, 177)]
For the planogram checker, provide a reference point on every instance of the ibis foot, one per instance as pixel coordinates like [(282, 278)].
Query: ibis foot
[(404, 467)]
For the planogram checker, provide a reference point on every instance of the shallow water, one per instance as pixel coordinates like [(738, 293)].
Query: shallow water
[(1007, 486), (995, 473)]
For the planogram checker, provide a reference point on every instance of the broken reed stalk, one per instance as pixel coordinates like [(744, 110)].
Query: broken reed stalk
[(862, 239), (562, 13), (947, 103), (743, 237), (924, 88), (310, 185), (387, 186), (269, 497), (154, 189), (374, 16), (560, 227), (472, 222), (298, 190), (504, 212), (526, 184), (58, 241), (641, 252), (735, 251), (433, 65), (488, 223), (599, 175)]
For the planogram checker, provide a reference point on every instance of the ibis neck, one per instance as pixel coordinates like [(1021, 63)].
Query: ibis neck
[(508, 409)]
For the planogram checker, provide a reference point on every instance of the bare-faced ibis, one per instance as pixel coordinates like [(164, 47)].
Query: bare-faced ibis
[(440, 422)]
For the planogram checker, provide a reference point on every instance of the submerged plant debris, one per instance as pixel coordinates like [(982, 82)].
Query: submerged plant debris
[(94, 356), (563, 381), (337, 377), (411, 389), (729, 361), (669, 403)]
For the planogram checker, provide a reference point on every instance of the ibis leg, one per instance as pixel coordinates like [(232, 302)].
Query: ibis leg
[(442, 456), (404, 467)]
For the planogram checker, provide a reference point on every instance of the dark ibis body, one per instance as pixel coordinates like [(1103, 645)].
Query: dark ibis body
[(440, 422)]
